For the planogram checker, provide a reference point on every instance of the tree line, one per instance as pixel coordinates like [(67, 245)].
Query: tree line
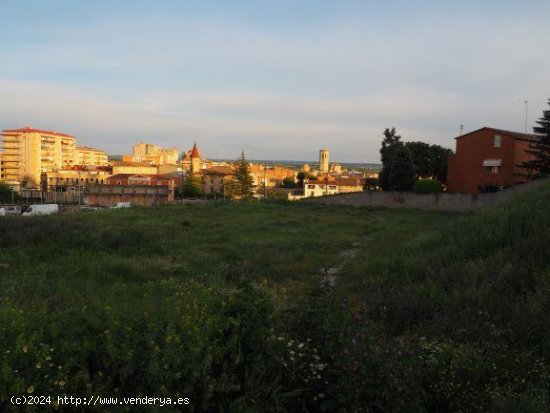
[(403, 163)]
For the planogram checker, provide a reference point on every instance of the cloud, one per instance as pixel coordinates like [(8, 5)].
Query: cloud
[(277, 93)]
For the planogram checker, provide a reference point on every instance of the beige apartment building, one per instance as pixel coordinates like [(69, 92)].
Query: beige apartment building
[(148, 152), (31, 155), (28, 152), (91, 156)]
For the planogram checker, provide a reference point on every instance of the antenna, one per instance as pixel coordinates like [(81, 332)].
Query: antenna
[(461, 129), (526, 112), (526, 103)]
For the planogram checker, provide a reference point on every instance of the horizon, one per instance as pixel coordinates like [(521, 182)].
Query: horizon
[(277, 80)]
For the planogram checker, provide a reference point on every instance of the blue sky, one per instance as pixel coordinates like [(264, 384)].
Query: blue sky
[(277, 79)]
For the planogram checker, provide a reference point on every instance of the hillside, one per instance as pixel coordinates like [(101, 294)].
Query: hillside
[(223, 303)]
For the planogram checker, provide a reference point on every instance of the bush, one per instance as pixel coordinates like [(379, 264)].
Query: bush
[(427, 186), (371, 184)]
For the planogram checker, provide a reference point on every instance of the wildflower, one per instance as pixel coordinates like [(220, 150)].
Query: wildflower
[(25, 349), (300, 345), (38, 365), (30, 389), (321, 395)]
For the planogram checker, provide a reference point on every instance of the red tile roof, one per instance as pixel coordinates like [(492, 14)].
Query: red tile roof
[(219, 170), (28, 129), (127, 176), (195, 152), (337, 181)]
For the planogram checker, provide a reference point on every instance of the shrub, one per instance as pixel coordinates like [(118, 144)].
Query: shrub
[(371, 184), (427, 186)]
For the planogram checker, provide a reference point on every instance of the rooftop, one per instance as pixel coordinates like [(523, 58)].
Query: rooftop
[(28, 129)]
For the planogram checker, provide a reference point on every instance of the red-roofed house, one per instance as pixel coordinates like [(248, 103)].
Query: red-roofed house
[(330, 185)]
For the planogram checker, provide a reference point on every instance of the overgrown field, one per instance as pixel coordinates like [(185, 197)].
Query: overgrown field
[(222, 303)]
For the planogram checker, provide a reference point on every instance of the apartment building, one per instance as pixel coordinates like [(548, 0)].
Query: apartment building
[(91, 156), (148, 152), (29, 152)]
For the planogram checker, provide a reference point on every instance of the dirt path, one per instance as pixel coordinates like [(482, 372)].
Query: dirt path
[(329, 275)]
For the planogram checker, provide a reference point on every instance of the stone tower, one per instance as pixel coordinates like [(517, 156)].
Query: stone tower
[(323, 161), (195, 160)]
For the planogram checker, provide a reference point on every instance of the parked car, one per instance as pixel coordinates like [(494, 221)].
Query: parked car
[(42, 209), (2, 212)]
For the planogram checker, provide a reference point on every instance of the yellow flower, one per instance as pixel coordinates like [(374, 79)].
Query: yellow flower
[(30, 389), (25, 349)]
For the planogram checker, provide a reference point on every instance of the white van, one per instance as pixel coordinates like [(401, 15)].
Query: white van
[(42, 209), (122, 205)]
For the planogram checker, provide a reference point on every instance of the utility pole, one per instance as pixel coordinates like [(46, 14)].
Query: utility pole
[(181, 188), (265, 180)]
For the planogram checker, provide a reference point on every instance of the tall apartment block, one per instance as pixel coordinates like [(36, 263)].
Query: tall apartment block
[(28, 153)]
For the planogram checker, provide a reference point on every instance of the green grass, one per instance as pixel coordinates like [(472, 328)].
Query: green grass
[(222, 302)]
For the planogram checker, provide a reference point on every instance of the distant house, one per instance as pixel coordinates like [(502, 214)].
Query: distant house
[(139, 189), (487, 157), (216, 178), (329, 185)]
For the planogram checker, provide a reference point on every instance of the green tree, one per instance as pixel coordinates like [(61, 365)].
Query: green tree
[(429, 161), (7, 193), (401, 174), (302, 176), (192, 187), (288, 183), (244, 186), (538, 165), (390, 142)]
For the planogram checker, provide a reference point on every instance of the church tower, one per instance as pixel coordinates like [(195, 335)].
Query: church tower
[(323, 161), (195, 160)]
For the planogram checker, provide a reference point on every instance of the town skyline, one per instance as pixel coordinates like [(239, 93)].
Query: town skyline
[(277, 80)]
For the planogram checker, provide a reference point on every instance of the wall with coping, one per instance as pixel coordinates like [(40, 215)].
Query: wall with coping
[(437, 202)]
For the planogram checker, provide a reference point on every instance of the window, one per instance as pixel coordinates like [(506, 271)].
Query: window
[(311, 186), (494, 169), (497, 141)]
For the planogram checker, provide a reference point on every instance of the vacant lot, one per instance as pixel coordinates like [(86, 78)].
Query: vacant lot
[(223, 303)]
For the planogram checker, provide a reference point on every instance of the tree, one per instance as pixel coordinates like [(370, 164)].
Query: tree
[(6, 193), (301, 177), (244, 186), (390, 142), (539, 150), (192, 187), (288, 183), (401, 174), (429, 161), (371, 184)]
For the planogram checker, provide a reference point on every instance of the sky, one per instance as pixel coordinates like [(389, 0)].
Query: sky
[(277, 79)]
